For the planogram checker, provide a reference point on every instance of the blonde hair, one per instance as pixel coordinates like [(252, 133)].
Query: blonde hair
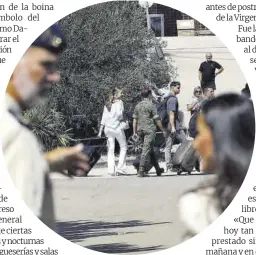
[(114, 95), (197, 88)]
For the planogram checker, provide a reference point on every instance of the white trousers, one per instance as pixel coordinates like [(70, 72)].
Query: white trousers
[(119, 135)]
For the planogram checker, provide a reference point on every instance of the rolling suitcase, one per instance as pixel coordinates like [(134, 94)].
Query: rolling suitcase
[(184, 159)]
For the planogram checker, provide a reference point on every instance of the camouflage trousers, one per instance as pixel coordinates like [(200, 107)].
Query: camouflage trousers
[(148, 139)]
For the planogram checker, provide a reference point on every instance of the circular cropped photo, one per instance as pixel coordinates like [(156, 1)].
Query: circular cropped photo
[(124, 121)]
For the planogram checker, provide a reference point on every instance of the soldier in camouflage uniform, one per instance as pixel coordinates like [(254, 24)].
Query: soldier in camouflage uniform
[(145, 120)]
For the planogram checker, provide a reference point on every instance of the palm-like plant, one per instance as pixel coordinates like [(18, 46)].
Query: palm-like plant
[(48, 125)]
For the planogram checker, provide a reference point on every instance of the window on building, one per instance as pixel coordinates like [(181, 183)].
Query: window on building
[(157, 24), (199, 27)]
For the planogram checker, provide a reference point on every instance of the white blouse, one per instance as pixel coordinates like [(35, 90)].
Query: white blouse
[(112, 118)]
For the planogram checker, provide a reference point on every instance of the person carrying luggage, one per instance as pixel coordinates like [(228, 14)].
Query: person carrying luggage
[(145, 120), (174, 127)]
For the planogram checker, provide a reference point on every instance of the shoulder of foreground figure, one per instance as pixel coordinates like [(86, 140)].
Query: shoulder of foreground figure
[(196, 199), (197, 209)]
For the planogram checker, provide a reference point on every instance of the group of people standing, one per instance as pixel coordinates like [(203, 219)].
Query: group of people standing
[(146, 120), (225, 139)]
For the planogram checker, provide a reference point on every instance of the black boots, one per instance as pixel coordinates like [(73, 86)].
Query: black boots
[(141, 172)]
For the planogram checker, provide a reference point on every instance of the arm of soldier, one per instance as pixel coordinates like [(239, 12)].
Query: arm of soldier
[(134, 124), (160, 126)]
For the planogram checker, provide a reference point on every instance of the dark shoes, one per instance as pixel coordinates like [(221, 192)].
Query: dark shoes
[(159, 171), (142, 174)]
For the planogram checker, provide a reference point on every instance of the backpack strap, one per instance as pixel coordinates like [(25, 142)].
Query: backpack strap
[(168, 97)]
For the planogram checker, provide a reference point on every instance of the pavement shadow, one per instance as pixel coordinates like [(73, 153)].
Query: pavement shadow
[(123, 248), (76, 231), (192, 174)]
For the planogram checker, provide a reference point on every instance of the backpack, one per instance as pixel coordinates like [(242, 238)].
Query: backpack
[(162, 110)]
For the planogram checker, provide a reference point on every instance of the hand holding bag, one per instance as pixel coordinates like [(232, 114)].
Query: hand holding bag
[(124, 125)]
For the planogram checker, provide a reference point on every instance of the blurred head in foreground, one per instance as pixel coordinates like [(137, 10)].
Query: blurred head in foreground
[(225, 141), (246, 91), (36, 71), (226, 131)]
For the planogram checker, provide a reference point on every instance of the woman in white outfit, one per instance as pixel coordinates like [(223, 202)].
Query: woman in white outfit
[(112, 123)]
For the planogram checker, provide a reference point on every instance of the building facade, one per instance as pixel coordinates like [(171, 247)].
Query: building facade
[(166, 21)]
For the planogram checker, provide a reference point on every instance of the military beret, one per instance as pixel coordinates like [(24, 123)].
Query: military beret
[(51, 39)]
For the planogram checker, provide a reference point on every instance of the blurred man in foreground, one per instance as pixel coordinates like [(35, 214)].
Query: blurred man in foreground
[(27, 165)]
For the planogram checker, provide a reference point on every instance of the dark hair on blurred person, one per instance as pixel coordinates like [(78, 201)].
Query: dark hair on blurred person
[(246, 91), (174, 84), (232, 122), (145, 92)]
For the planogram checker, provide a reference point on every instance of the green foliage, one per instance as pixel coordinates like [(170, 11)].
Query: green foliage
[(48, 125), (108, 47)]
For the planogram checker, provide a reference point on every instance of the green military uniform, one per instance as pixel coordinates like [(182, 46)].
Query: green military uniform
[(145, 113)]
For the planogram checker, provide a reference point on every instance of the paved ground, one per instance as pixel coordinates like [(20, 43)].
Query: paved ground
[(122, 214), (129, 214)]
